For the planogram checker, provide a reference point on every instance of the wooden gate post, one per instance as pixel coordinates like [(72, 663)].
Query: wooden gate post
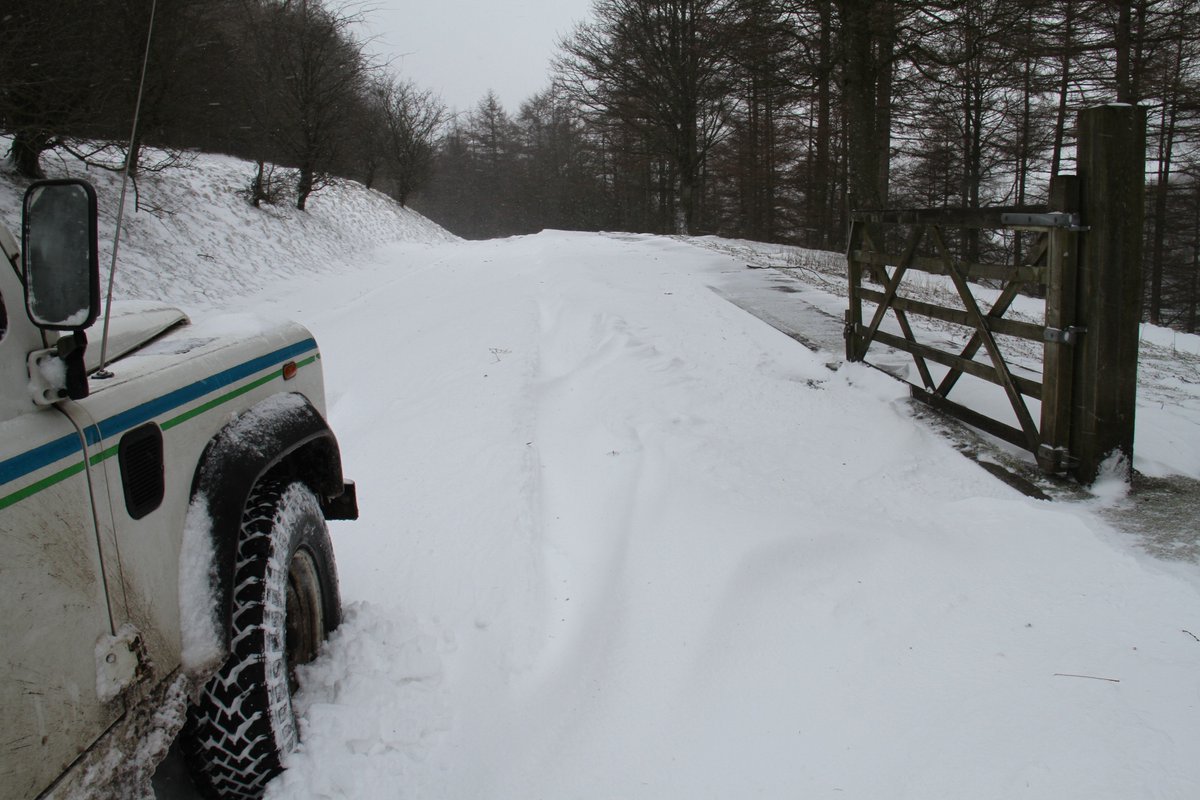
[(1111, 166), (1059, 352)]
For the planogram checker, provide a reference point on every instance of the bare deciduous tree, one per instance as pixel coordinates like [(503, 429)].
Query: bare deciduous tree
[(411, 121), (308, 72), (660, 68)]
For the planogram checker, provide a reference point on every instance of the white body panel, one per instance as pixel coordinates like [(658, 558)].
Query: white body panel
[(75, 566)]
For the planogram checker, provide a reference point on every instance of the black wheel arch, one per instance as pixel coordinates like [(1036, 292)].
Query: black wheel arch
[(287, 441)]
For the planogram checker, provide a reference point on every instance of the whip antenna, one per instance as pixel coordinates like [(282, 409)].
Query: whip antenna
[(112, 270)]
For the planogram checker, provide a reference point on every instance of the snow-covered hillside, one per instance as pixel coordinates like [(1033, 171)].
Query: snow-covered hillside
[(192, 238)]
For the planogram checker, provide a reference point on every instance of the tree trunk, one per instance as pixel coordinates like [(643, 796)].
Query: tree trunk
[(134, 156), (884, 30), (1064, 86), (688, 168), (1024, 145), (867, 93), (1122, 38), (26, 154), (820, 196), (304, 187), (1194, 295), (768, 171), (1166, 147), (258, 189)]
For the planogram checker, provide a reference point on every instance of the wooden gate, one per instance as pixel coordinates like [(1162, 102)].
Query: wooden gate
[(1086, 259), (1052, 265)]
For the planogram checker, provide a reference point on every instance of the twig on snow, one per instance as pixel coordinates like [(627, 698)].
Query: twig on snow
[(1189, 633), (1090, 677)]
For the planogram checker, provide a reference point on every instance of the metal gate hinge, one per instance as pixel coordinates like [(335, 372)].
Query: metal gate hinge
[(1040, 222), (1068, 335), (1054, 460)]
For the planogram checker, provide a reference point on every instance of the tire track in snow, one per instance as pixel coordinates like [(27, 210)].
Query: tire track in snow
[(589, 474)]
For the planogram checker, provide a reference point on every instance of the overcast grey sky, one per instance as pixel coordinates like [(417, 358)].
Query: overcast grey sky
[(462, 48)]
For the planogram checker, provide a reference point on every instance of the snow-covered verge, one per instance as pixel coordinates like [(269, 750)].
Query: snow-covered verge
[(621, 539), (192, 237)]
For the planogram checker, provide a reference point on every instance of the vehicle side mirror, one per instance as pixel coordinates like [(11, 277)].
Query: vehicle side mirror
[(60, 257)]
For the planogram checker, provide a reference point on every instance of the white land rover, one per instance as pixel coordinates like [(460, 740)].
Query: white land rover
[(164, 559)]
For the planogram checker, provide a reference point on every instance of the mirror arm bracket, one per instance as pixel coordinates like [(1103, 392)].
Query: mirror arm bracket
[(71, 349), (58, 373)]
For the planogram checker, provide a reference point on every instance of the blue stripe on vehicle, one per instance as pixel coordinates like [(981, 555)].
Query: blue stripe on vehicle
[(38, 457), (32, 460), (119, 423)]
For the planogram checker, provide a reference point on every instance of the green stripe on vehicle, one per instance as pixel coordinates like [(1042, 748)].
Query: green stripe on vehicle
[(44, 483), (217, 401), (103, 455)]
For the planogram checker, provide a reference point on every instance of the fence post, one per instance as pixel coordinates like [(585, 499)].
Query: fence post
[(854, 308), (1111, 166)]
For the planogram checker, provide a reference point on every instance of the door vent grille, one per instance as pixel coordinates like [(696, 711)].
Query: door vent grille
[(141, 456)]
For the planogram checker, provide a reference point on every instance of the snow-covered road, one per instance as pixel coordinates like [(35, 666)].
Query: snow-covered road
[(620, 539)]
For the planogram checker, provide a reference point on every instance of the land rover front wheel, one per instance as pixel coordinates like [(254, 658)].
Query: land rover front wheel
[(285, 603)]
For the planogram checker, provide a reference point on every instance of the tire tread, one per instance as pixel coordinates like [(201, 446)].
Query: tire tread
[(229, 740)]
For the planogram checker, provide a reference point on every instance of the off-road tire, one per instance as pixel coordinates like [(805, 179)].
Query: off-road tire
[(285, 603)]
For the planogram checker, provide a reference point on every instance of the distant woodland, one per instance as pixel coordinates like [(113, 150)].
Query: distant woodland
[(757, 119)]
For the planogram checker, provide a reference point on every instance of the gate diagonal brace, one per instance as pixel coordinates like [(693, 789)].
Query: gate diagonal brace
[(1032, 435)]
